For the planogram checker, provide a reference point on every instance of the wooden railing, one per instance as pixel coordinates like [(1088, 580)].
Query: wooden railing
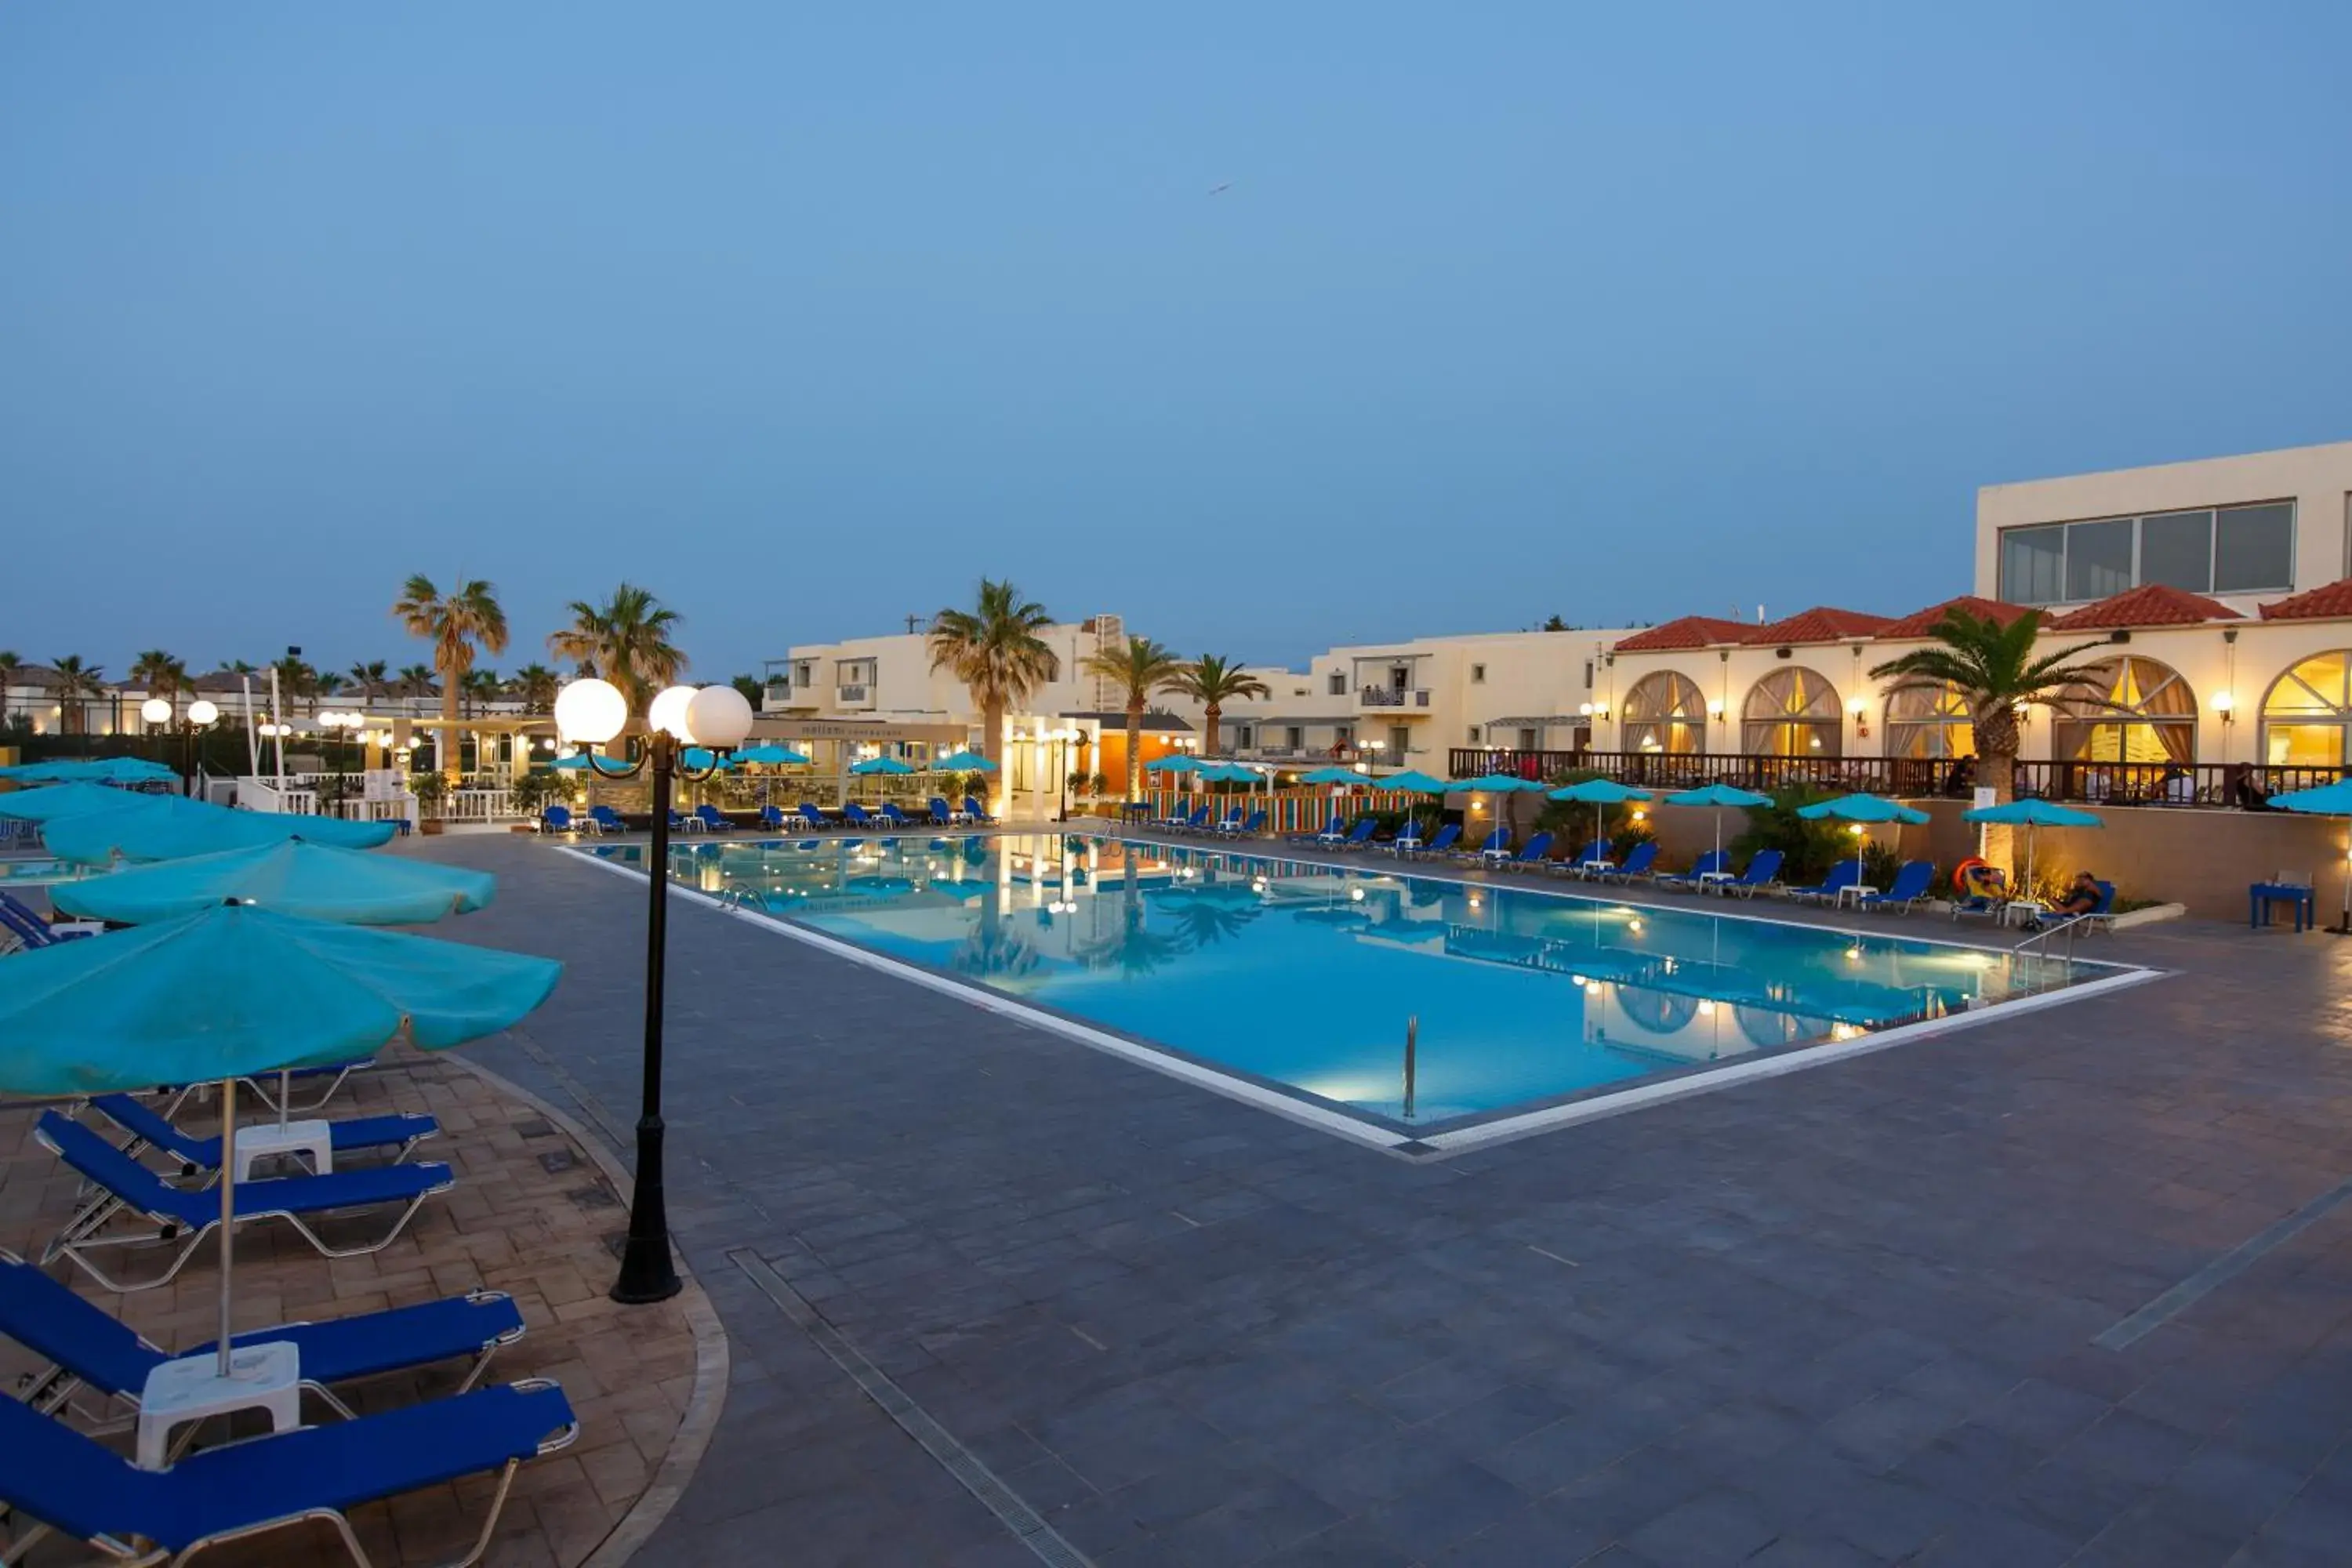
[(2121, 783)]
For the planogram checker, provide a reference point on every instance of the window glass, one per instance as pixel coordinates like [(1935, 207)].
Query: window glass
[(1339, 683), (2099, 558), (1477, 672), (2177, 550), (2253, 548), (2032, 566)]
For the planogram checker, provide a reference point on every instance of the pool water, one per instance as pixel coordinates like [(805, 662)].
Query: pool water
[(1312, 978)]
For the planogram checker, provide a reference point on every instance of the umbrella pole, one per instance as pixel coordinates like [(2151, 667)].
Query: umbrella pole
[(227, 1210), (285, 1093)]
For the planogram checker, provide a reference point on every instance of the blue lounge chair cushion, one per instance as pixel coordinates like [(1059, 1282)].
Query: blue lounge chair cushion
[(133, 1182), (65, 1479), (351, 1135), (50, 1320)]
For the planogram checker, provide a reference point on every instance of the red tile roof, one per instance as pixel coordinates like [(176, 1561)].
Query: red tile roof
[(2323, 602), (1819, 624), (1919, 623), (1690, 631), (2150, 605)]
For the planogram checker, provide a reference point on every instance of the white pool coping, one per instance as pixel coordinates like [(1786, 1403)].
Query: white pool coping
[(1504, 1128)]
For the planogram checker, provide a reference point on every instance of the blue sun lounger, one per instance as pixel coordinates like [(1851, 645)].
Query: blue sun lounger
[(977, 812), (894, 816), (1763, 873), (126, 1187), (31, 930), (70, 1484), (1843, 875), (1635, 865), (857, 817), (398, 1134), (606, 819), (713, 819), (945, 815), (1531, 855), (558, 819), (1360, 834), (772, 818), (1714, 863), (89, 1347), (814, 816), (1496, 844), (1437, 846), (1910, 885)]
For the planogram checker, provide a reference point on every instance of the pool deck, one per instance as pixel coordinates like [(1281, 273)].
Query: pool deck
[(1978, 1299)]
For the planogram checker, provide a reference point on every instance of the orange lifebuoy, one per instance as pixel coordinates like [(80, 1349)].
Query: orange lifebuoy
[(1960, 872)]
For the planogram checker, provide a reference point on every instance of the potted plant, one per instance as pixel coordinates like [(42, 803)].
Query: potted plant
[(430, 790)]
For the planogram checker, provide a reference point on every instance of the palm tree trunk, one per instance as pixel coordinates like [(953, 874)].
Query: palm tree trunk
[(1208, 716), (997, 786), (1134, 742), (445, 749), (1999, 776)]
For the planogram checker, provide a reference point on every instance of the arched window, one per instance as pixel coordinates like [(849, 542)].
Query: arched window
[(2307, 713), (1793, 713), (1663, 712), (2127, 709), (1925, 722)]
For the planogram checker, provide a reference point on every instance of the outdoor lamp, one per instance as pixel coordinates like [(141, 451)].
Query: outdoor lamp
[(201, 711), (1584, 709), (2226, 706), (156, 711), (1714, 707), (589, 713)]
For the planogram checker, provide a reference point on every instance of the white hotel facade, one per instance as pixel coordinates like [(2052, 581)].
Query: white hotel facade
[(2214, 597)]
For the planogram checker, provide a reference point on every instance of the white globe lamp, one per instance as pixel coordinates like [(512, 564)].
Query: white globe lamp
[(590, 712), (156, 711), (667, 714), (719, 717), (201, 713)]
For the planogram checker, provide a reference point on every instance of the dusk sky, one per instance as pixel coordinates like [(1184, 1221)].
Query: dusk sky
[(1267, 326)]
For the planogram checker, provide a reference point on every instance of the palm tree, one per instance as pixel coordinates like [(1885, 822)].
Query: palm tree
[(415, 679), (372, 678), (325, 684), (465, 618), (1994, 668), (478, 688), (626, 640), (11, 664), (1138, 669), (536, 685), (158, 674), (77, 683), (296, 680), (994, 650), (1212, 682)]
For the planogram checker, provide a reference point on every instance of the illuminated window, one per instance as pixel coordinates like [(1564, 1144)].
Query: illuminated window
[(2307, 713), (2127, 709), (1793, 713), (1929, 723), (1664, 712)]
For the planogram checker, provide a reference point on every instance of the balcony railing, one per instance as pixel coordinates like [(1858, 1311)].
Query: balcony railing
[(852, 696), (1392, 697), (2094, 784)]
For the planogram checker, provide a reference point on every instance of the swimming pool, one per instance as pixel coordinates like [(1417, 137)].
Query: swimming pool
[(1308, 981)]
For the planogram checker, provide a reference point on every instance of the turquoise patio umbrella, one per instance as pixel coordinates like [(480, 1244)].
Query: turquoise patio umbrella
[(1180, 764), (773, 756), (1862, 810), (572, 764), (50, 802), (92, 770), (964, 762), (1336, 775), (2031, 815), (1716, 796), (698, 758), (887, 765), (1415, 782), (1505, 785), (317, 881), (1599, 794), (170, 829), (233, 991), (2327, 800)]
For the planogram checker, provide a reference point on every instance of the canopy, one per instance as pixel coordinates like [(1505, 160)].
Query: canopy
[(52, 801), (92, 770), (698, 758), (1718, 795), (1598, 792), (1861, 808), (2326, 800), (1180, 764), (570, 764), (1417, 782), (773, 756), (171, 829), (291, 877), (872, 765), (1336, 775), (1230, 773), (965, 762), (1498, 784), (2034, 814), (233, 990)]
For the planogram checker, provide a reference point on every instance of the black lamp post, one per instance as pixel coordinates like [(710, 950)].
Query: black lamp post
[(589, 713)]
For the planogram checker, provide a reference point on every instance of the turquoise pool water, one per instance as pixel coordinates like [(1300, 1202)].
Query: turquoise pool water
[(1305, 977)]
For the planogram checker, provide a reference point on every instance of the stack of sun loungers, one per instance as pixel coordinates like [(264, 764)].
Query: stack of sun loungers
[(59, 1478)]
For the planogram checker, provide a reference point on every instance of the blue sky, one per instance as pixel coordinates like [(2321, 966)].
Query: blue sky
[(807, 317)]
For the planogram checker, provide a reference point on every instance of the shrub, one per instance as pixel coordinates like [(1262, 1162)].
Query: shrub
[(1810, 847)]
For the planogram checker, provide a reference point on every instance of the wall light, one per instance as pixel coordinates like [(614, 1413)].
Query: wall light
[(2226, 706)]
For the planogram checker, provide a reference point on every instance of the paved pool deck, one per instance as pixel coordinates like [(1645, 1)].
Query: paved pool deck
[(2069, 1288)]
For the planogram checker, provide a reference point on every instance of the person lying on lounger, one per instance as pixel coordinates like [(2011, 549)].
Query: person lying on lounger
[(2079, 898)]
